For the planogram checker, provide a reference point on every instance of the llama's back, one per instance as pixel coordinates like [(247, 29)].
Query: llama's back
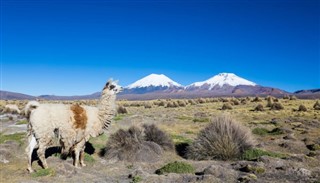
[(47, 118)]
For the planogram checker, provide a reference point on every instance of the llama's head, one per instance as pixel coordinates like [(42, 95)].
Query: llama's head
[(112, 88)]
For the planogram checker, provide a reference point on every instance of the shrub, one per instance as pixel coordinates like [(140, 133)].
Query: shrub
[(176, 167), (181, 103), (256, 99), (243, 101), (277, 106), (161, 103), (201, 100), (223, 138), (293, 97), (154, 134), (129, 145), (172, 104), (302, 108), (192, 102), (259, 107), (138, 144), (286, 97), (147, 105), (235, 101), (316, 106), (252, 154), (122, 110), (226, 106)]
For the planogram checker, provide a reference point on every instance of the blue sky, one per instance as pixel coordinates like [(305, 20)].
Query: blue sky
[(65, 47)]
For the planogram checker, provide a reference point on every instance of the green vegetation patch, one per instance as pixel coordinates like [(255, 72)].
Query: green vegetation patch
[(176, 167), (44, 172), (88, 158), (178, 139), (136, 179), (201, 120), (263, 131), (118, 117), (22, 122), (255, 153), (18, 137)]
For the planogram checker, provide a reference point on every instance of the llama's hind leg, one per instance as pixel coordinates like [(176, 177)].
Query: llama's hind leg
[(43, 144), (29, 151)]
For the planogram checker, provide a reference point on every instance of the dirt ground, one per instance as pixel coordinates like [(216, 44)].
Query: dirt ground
[(289, 132)]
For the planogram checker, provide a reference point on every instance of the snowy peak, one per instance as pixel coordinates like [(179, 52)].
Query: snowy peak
[(155, 80), (221, 80)]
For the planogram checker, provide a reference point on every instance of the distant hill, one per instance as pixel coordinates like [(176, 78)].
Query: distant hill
[(6, 95), (157, 86)]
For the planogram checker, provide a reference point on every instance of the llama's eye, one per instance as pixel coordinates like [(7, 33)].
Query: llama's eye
[(112, 86)]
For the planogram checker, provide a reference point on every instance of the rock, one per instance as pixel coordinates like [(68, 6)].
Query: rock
[(290, 137), (224, 174), (303, 172), (247, 177)]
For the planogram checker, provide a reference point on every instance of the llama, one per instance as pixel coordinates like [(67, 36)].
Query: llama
[(11, 108), (73, 125)]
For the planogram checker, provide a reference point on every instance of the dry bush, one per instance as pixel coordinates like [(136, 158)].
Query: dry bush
[(235, 101), (192, 102), (224, 100), (224, 138), (201, 100), (316, 106), (277, 106), (182, 103), (129, 145), (276, 100), (154, 134), (286, 96), (302, 108), (122, 110), (259, 107), (147, 105), (172, 105), (243, 101), (256, 99), (270, 102), (293, 97), (226, 106)]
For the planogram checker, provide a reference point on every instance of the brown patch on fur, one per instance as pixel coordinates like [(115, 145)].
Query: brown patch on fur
[(80, 116)]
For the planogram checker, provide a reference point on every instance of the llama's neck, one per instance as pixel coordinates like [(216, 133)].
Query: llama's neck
[(107, 109)]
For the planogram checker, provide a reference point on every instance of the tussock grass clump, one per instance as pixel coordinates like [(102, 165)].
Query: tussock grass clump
[(154, 134), (293, 97), (192, 102), (182, 103), (316, 106), (276, 106), (226, 106), (201, 100), (176, 167), (129, 145), (172, 105), (256, 99), (302, 108), (147, 105), (137, 144), (122, 110), (286, 97), (259, 107), (224, 138)]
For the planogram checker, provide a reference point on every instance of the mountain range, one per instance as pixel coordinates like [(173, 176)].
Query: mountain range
[(156, 86)]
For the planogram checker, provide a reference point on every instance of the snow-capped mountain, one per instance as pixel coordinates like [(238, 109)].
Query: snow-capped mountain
[(154, 80), (219, 81), (153, 83)]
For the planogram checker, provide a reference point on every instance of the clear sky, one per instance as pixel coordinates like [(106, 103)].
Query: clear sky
[(66, 47)]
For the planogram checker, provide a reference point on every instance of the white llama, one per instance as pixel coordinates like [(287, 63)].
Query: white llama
[(73, 125)]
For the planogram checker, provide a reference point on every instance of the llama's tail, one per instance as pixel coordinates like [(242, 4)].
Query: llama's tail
[(31, 105)]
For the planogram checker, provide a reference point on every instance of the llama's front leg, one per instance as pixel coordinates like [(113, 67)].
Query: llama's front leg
[(79, 153), (29, 151), (82, 158)]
